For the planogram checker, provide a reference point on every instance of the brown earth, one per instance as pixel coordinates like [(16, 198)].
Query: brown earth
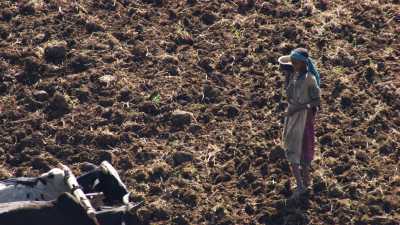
[(185, 98)]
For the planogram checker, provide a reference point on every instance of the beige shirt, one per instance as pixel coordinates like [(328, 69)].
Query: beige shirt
[(299, 91)]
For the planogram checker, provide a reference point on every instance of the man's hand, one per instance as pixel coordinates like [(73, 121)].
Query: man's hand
[(293, 108)]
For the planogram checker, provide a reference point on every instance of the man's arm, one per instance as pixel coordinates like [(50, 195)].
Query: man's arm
[(315, 96)]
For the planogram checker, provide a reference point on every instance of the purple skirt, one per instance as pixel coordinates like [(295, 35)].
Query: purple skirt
[(307, 154)]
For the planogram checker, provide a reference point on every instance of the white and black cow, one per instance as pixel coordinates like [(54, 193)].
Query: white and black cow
[(65, 210), (45, 198), (47, 186), (50, 185)]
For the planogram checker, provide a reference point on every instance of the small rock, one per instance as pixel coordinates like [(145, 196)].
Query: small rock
[(149, 108), (222, 177), (231, 110), (341, 168), (249, 209), (144, 156), (208, 18), (245, 5), (268, 9), (83, 94), (211, 93), (27, 78), (276, 154), (106, 102), (139, 53), (80, 63), (106, 156), (259, 101), (160, 214), (191, 2), (4, 88), (181, 118), (106, 140), (206, 64), (205, 117), (27, 9), (93, 27), (346, 102), (169, 59), (125, 95), (4, 32), (41, 95), (173, 70), (319, 184), (187, 196), (382, 220), (326, 140), (335, 192), (4, 174), (6, 15), (40, 164), (55, 53), (39, 38), (381, 66), (107, 79), (195, 129), (161, 171), (184, 39), (155, 189), (140, 176), (180, 157), (31, 65), (391, 202), (386, 149), (58, 106), (322, 4), (180, 220), (370, 74), (264, 169), (362, 156)]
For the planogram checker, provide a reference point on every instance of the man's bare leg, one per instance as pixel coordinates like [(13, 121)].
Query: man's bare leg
[(299, 181), (305, 173)]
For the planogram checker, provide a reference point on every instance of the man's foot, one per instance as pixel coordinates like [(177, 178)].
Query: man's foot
[(305, 174), (298, 192), (306, 181)]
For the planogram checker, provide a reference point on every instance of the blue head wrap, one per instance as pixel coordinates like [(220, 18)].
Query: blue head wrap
[(309, 62)]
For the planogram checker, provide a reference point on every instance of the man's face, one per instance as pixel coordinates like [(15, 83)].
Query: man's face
[(298, 65)]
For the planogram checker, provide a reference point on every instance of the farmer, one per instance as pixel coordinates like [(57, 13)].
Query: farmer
[(303, 94)]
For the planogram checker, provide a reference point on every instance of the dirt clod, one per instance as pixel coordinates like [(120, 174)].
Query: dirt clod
[(276, 154), (208, 18), (58, 106), (106, 140), (55, 53), (80, 63), (181, 157), (41, 95), (181, 118)]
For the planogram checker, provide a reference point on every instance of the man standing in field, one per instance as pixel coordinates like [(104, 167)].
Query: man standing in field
[(303, 94)]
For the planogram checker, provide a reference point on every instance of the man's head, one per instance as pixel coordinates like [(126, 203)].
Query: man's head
[(299, 58)]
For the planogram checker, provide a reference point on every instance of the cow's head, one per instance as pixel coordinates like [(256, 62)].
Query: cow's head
[(110, 183)]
